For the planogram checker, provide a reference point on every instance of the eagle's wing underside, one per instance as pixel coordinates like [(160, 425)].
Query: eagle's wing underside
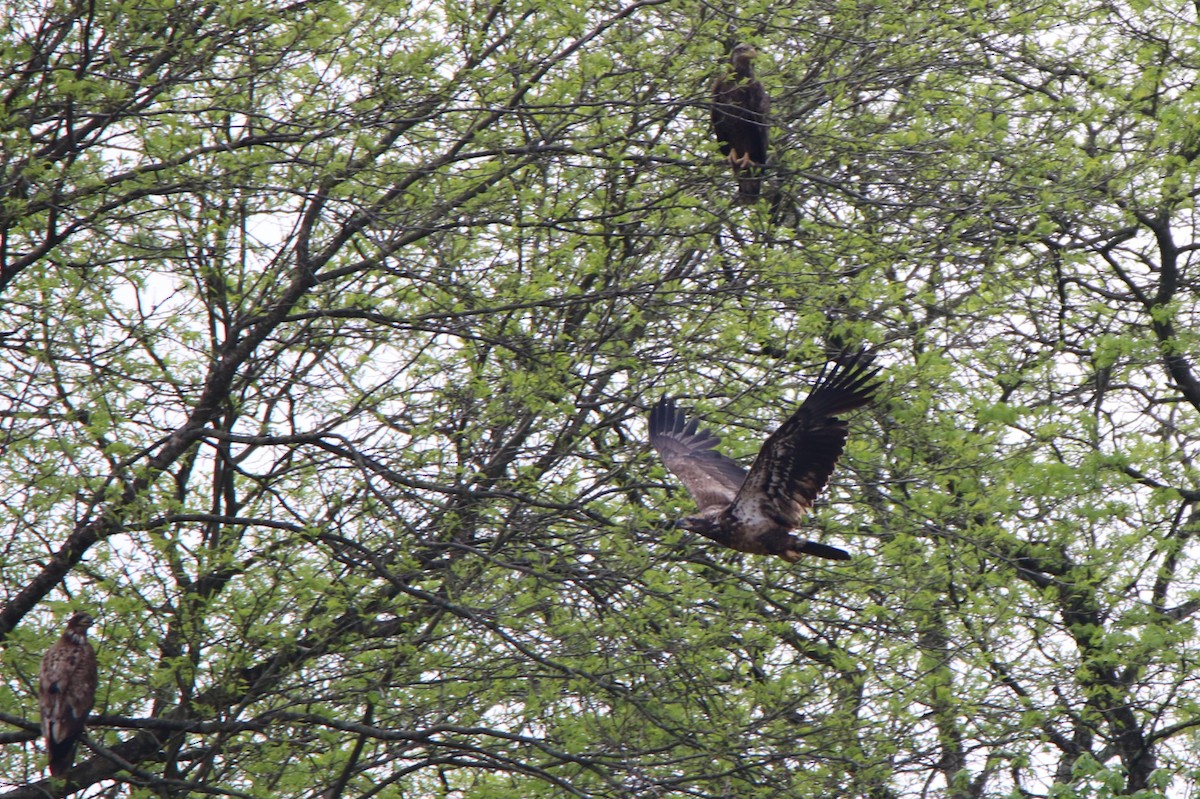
[(711, 478)]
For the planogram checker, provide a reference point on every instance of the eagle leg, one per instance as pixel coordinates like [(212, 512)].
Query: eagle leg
[(740, 160)]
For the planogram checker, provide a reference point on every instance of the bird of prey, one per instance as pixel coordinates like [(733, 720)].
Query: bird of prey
[(66, 692), (755, 512), (739, 120)]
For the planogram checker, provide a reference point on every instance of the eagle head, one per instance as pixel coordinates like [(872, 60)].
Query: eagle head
[(77, 626), (707, 526), (741, 56), (80, 621)]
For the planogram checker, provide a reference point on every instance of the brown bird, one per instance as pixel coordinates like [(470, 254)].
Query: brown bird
[(66, 692), (756, 511), (739, 119)]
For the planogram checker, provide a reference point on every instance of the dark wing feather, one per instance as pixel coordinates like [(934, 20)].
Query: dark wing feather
[(66, 694), (795, 462), (739, 118), (724, 113), (710, 477)]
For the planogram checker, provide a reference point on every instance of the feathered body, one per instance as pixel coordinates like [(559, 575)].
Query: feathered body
[(756, 511), (739, 119), (66, 692)]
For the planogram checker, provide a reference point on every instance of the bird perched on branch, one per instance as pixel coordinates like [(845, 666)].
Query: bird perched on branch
[(755, 512), (66, 692), (739, 119)]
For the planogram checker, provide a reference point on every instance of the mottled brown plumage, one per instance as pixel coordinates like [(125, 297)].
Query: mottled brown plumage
[(755, 511), (739, 119), (66, 692)]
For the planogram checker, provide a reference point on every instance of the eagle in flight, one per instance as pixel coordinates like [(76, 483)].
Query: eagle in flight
[(756, 511), (739, 119), (66, 692)]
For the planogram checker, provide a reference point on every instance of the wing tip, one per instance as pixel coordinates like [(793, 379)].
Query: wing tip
[(665, 419), (850, 376), (659, 412)]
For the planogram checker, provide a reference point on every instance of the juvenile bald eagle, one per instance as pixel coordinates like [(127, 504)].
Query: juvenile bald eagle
[(755, 512), (66, 692), (739, 119)]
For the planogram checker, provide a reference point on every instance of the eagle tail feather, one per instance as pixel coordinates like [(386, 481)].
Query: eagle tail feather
[(749, 189), (61, 755), (802, 546)]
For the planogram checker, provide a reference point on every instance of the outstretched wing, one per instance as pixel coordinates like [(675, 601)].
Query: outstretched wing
[(795, 462), (711, 478)]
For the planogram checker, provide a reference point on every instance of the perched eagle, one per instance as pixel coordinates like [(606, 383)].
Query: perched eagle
[(739, 119), (755, 511), (66, 692)]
